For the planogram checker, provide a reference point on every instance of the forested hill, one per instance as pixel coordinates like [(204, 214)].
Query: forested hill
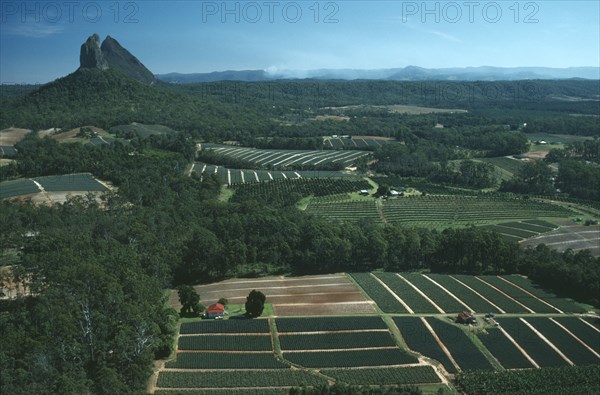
[(107, 98), (448, 94), (227, 110)]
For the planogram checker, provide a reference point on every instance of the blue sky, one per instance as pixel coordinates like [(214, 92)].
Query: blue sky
[(40, 41)]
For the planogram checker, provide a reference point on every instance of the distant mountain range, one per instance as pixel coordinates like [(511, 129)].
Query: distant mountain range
[(410, 73)]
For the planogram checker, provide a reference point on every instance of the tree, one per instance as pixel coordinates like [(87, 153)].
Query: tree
[(189, 299), (255, 303)]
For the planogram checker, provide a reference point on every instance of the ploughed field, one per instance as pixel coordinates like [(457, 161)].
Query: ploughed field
[(376, 328), (291, 296)]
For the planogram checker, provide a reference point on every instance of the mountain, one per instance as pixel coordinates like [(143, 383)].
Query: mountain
[(121, 59), (409, 73), (112, 55)]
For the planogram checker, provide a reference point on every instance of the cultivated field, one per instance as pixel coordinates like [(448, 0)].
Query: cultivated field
[(291, 296), (282, 159), (451, 210), (357, 142), (241, 176), (51, 189), (570, 235), (407, 337), (273, 355), (521, 230)]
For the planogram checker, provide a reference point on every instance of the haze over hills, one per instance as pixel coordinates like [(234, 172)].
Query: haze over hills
[(409, 73)]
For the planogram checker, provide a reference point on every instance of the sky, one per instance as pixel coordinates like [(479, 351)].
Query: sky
[(40, 40)]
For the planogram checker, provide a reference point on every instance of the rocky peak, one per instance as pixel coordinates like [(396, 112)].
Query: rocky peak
[(91, 56), (112, 55), (121, 59)]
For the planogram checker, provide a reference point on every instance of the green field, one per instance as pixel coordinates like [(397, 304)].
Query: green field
[(277, 353), (439, 211)]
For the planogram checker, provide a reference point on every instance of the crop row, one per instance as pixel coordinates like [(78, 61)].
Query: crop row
[(331, 341), (443, 209), (533, 345), (419, 339), (492, 295), (509, 356), (435, 293), (348, 359), (212, 360), (329, 324), (378, 293), (462, 349), (588, 335), (474, 301), (225, 326), (225, 379), (385, 376), (407, 293), (537, 228), (237, 176), (289, 191), (17, 187), (519, 295), (226, 343), (70, 182), (560, 303), (287, 158), (567, 344), (521, 233)]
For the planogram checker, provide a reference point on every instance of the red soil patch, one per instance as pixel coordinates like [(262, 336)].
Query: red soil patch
[(325, 309)]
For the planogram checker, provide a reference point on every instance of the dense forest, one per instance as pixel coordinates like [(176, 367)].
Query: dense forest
[(242, 111)]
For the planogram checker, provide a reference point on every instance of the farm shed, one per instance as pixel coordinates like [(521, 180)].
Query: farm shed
[(466, 318), (215, 311)]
